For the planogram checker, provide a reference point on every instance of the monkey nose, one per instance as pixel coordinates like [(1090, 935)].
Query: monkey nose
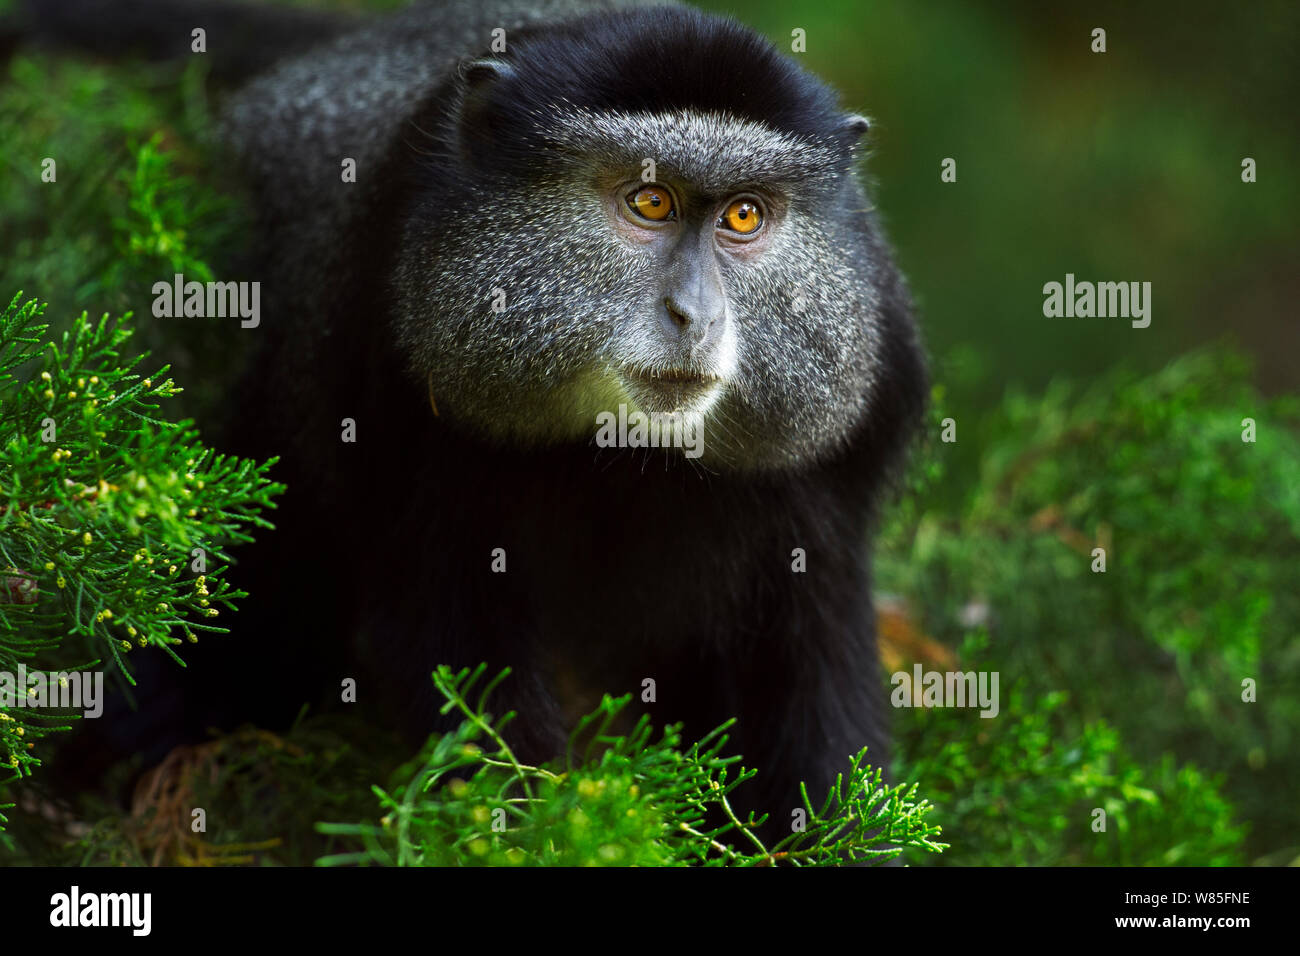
[(677, 313), (691, 325)]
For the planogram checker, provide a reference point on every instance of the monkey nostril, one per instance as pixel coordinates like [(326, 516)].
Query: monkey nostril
[(676, 313)]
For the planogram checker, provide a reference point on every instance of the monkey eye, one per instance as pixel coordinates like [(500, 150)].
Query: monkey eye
[(742, 216), (652, 202)]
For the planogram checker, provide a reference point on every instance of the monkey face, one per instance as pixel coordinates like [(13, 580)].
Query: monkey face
[(572, 259)]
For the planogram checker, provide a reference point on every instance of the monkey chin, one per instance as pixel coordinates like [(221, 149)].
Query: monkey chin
[(679, 403)]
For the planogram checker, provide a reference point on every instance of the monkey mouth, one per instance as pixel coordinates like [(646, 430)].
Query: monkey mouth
[(673, 377), (669, 389)]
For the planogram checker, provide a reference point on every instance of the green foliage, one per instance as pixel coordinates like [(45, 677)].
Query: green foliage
[(164, 208), (1025, 788), (101, 504), (620, 799), (1202, 537), (67, 237), (138, 197)]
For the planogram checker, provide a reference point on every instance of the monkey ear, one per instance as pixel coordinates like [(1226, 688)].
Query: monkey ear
[(476, 72), (480, 79), (855, 126)]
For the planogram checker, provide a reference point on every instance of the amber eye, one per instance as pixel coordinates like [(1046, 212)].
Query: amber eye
[(652, 202), (742, 216)]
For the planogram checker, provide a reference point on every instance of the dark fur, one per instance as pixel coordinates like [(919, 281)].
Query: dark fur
[(621, 565), (634, 61), (247, 44)]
